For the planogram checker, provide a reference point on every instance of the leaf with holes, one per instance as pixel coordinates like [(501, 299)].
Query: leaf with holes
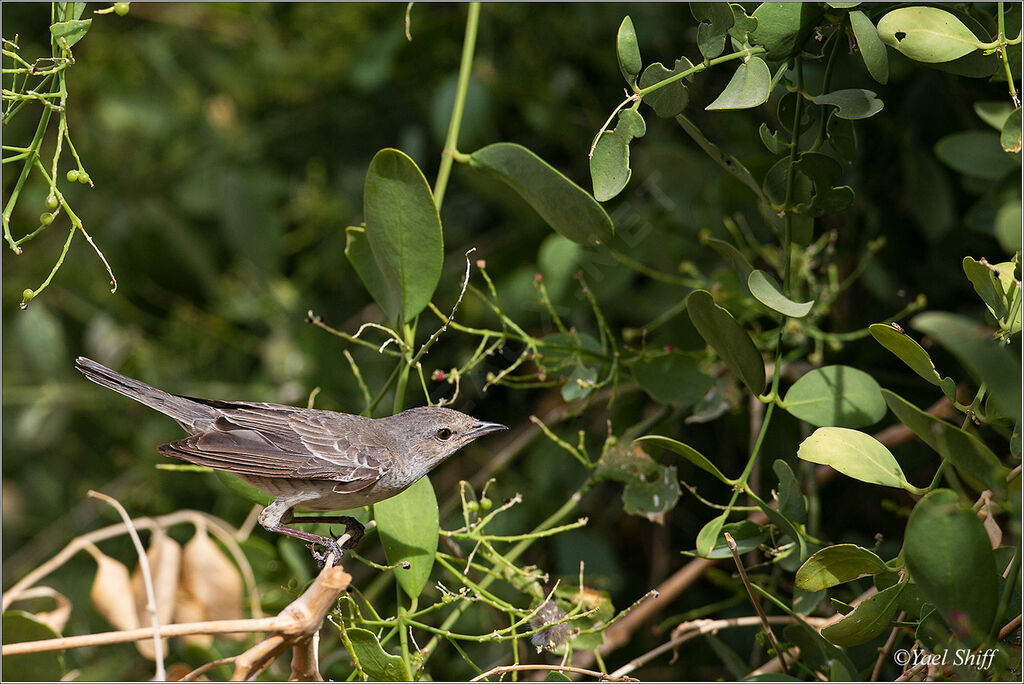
[(927, 34), (852, 103), (670, 99)]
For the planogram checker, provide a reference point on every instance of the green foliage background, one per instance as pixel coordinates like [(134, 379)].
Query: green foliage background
[(228, 146)]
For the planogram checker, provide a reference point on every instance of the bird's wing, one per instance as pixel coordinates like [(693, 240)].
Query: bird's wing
[(268, 440)]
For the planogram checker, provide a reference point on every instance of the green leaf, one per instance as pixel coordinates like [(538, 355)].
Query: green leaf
[(950, 559), (767, 291), (786, 526), (734, 256), (716, 18), (824, 173), (836, 396), (708, 535), (972, 345), (855, 454), (742, 25), (669, 100), (975, 461), (556, 676), (872, 49), (687, 452), (843, 136), (67, 33), (975, 153), (852, 103), (993, 112), (376, 663), (837, 564), (868, 620), (911, 353), (748, 87), (565, 206), (19, 626), (726, 161), (926, 34), (747, 535), (775, 142), (995, 290), (628, 51), (732, 343), (580, 383), (791, 499), (651, 488), (609, 164), (783, 27), (1010, 136), (408, 525), (671, 379), (403, 229), (360, 255)]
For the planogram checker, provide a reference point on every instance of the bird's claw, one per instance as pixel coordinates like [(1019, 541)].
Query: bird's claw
[(331, 548)]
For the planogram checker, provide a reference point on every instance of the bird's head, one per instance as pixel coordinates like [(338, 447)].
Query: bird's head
[(430, 434)]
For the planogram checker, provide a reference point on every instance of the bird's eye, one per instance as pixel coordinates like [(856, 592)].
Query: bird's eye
[(444, 433)]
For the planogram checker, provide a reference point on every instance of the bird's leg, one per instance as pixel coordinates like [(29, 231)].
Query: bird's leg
[(353, 528), (272, 518)]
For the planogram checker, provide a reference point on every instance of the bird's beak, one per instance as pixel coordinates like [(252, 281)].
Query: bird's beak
[(481, 429)]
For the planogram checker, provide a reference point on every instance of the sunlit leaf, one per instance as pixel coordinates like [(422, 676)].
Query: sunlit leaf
[(749, 87), (836, 395), (855, 454), (408, 525), (837, 564), (767, 291), (926, 34)]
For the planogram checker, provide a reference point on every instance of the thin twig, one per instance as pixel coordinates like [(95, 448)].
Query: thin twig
[(757, 604), (206, 667), (147, 580)]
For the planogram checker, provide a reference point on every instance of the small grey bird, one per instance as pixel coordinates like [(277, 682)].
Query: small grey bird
[(305, 458)]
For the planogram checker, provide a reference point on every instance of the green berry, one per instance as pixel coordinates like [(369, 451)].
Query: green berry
[(46, 218), (121, 8), (485, 504), (83, 178), (472, 506), (72, 176), (51, 202), (28, 295)]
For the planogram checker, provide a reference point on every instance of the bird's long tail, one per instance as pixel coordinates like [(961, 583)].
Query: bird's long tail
[(182, 409)]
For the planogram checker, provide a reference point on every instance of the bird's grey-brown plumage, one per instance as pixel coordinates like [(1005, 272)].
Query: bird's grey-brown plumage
[(313, 459)]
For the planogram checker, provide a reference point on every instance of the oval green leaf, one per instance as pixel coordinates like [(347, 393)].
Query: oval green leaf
[(972, 459), (783, 27), (408, 525), (671, 379), (687, 452), (732, 343), (565, 206), (906, 350), (628, 51), (950, 558), (993, 112), (748, 87), (990, 287), (609, 166), (1010, 135), (852, 103), (868, 620), (360, 255), (403, 229), (70, 32), (926, 34), (708, 535), (19, 626), (377, 664), (791, 500), (767, 291), (975, 153), (735, 257), (836, 396), (670, 99), (855, 454), (837, 564), (872, 49)]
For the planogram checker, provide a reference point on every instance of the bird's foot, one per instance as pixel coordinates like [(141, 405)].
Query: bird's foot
[(332, 550)]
